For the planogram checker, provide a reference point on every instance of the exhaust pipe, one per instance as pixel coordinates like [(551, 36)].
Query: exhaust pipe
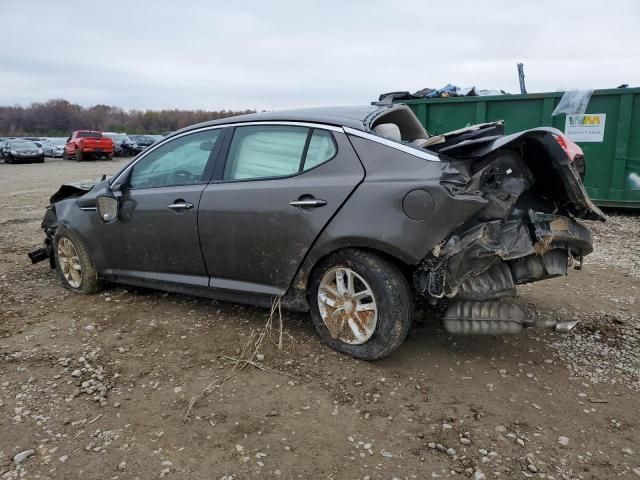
[(565, 327)]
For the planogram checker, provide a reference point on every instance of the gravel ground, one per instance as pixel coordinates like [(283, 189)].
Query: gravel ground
[(617, 241), (98, 386)]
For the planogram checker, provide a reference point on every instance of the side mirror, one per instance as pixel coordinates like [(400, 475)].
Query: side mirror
[(108, 207)]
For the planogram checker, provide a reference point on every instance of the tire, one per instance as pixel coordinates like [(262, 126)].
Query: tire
[(65, 156), (8, 159), (79, 156), (391, 295), (41, 160), (109, 156), (87, 280)]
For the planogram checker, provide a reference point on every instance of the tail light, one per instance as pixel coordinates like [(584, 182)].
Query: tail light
[(574, 152)]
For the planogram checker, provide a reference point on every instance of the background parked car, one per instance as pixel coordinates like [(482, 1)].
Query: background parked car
[(145, 141), (122, 144), (19, 151), (3, 144), (53, 147), (88, 144)]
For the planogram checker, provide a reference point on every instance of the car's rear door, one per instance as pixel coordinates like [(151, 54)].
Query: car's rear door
[(156, 235), (277, 189)]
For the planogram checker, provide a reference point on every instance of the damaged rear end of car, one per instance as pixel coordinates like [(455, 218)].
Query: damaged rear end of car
[(526, 231)]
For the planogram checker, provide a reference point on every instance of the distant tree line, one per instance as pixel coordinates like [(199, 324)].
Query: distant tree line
[(59, 117)]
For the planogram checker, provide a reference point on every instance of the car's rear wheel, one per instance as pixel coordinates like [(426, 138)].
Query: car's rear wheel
[(361, 304), (73, 263), (8, 159)]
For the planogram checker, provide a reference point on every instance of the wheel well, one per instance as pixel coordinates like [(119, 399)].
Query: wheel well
[(405, 268)]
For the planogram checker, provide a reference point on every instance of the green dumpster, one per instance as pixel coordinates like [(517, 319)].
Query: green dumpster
[(608, 133)]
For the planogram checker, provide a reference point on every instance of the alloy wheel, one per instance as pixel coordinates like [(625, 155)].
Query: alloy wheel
[(347, 306), (69, 262)]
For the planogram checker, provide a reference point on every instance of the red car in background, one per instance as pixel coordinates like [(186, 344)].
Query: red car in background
[(87, 145)]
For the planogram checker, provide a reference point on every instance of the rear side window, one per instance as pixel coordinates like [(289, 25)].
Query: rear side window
[(321, 148), (272, 151)]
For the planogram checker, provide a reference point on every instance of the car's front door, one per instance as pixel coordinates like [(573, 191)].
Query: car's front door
[(156, 235), (280, 186)]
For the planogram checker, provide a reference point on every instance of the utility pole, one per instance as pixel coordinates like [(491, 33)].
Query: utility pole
[(523, 89)]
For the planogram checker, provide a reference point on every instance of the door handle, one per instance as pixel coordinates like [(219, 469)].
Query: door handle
[(307, 203), (180, 205)]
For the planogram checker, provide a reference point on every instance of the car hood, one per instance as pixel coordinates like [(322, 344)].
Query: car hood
[(74, 189)]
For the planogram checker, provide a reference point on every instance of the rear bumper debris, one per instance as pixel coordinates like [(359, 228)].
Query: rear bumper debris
[(474, 270), (488, 260)]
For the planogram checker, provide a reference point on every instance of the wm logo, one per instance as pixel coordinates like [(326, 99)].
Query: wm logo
[(591, 120), (584, 120)]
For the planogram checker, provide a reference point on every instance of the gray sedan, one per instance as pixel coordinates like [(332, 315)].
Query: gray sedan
[(352, 214)]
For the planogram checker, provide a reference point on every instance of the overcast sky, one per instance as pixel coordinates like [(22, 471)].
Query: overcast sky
[(273, 54)]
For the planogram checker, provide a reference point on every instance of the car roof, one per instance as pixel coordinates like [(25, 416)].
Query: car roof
[(358, 117)]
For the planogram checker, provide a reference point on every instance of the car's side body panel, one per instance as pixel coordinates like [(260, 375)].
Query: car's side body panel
[(159, 242), (391, 175)]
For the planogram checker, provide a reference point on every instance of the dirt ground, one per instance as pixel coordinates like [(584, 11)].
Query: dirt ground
[(98, 386)]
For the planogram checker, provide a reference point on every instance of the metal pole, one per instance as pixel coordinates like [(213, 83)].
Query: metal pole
[(523, 89)]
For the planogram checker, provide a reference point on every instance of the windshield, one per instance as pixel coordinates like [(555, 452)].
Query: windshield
[(89, 135), (23, 145)]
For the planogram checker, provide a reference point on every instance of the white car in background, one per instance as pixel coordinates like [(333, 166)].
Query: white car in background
[(53, 147)]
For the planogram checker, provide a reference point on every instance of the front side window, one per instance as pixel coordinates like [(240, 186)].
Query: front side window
[(272, 151), (181, 161)]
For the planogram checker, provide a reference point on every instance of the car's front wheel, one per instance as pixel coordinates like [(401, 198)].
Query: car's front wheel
[(361, 304), (73, 263)]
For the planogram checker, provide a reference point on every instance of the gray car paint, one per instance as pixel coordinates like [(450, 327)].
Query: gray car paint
[(253, 220), (159, 242), (391, 174)]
